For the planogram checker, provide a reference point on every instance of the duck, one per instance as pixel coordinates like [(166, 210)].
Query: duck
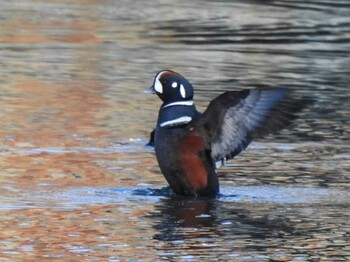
[(190, 146)]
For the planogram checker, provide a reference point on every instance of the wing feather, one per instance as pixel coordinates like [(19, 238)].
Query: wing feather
[(234, 118)]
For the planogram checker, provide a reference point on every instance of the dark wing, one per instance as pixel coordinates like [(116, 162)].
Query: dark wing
[(151, 139), (234, 118)]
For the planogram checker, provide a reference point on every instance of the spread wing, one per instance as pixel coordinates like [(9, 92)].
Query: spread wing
[(234, 118)]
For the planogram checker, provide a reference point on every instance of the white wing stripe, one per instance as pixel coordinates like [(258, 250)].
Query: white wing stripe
[(177, 121), (180, 103)]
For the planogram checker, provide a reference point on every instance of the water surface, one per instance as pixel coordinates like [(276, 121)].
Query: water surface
[(76, 180)]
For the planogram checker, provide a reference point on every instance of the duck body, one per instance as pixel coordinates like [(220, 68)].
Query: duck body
[(189, 145), (182, 156)]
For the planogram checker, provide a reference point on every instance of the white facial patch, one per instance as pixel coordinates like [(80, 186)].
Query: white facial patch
[(182, 91), (157, 84), (174, 85)]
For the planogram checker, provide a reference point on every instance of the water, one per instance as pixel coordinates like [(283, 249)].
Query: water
[(77, 182)]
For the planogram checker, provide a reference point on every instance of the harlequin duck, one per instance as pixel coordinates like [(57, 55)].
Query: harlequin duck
[(190, 146)]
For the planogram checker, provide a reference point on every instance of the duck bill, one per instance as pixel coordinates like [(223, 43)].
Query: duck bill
[(149, 90)]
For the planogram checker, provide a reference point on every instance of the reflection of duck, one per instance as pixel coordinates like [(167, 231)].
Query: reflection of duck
[(178, 212), (190, 145), (187, 219)]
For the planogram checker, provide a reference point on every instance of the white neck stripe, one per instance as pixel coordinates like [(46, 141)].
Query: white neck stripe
[(177, 121), (180, 103)]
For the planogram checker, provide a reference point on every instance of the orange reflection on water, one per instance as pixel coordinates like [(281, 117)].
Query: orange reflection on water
[(99, 231), (44, 115), (69, 169)]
